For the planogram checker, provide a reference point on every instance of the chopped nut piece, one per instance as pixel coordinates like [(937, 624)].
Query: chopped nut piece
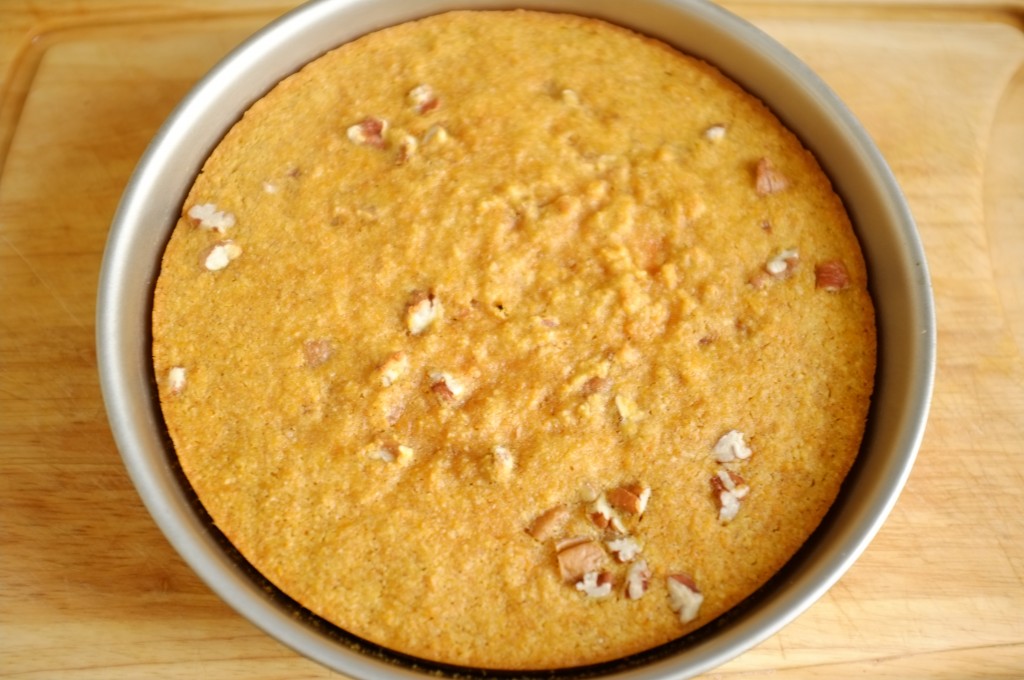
[(600, 512), (684, 597), (623, 499), (548, 523), (768, 180), (403, 454), (638, 578), (600, 520), (594, 385), (632, 498), (382, 453), (731, 447), (441, 389), (729, 508), (393, 412), (445, 386), (566, 543), (727, 480), (206, 216), (603, 516), (176, 379), (394, 368), (782, 265), (644, 498), (831, 276), (570, 97), (316, 352), (391, 453), (596, 584), (220, 254), (406, 148), (548, 322), (423, 99), (760, 279), (588, 494), (368, 132), (729, 489), (715, 133), (627, 408), (580, 558), (423, 310), (625, 549), (504, 462), (435, 133)]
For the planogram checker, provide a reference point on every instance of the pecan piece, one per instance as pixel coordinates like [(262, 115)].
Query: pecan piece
[(548, 523), (447, 388), (176, 379), (715, 133), (423, 99), (596, 584), (407, 146), (219, 255), (368, 132), (206, 216), (503, 462), (631, 499), (638, 578), (831, 276), (684, 597), (394, 368), (627, 408), (579, 558), (784, 264), (731, 447), (422, 311), (729, 489), (625, 549), (316, 352), (436, 134), (392, 453), (767, 179), (603, 515), (594, 385)]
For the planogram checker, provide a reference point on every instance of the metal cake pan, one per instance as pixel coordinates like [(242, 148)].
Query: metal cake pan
[(899, 284)]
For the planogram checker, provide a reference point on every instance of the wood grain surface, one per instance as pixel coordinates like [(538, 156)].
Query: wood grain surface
[(89, 587)]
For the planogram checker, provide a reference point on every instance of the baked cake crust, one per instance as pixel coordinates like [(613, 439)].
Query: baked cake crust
[(513, 340)]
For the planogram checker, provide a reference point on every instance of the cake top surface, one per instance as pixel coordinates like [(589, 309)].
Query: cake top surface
[(513, 340)]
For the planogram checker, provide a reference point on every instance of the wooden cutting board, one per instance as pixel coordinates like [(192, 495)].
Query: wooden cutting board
[(89, 588)]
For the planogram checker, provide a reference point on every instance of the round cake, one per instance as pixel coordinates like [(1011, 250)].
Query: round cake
[(513, 340)]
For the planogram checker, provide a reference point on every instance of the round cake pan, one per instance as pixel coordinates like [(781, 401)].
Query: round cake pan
[(899, 284)]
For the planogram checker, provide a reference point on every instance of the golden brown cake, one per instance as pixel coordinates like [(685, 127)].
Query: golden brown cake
[(513, 340)]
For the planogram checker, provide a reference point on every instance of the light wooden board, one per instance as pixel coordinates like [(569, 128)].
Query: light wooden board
[(89, 588)]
